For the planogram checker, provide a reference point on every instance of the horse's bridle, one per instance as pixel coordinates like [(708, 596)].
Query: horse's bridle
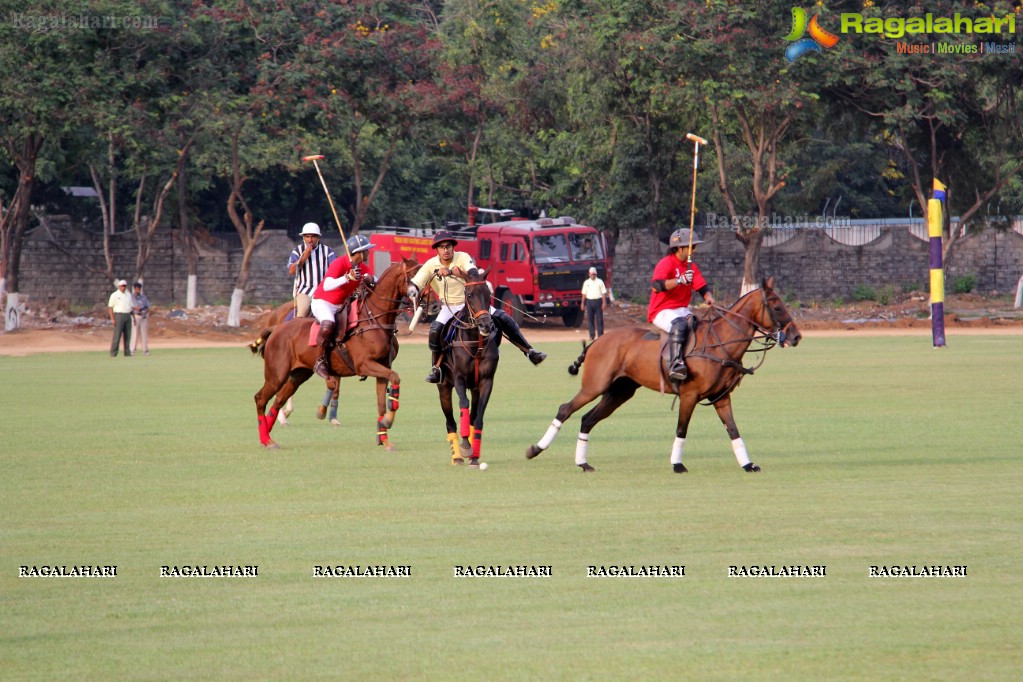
[(476, 314), (770, 337)]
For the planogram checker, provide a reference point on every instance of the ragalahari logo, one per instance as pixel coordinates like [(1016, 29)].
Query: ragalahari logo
[(819, 38)]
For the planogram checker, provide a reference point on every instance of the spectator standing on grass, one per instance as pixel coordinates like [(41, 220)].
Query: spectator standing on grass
[(308, 264), (120, 316), (593, 295), (140, 315)]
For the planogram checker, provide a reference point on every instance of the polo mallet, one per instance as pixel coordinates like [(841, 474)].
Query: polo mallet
[(697, 141), (314, 158)]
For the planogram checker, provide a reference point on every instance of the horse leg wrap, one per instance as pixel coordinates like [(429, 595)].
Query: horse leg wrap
[(463, 427), (548, 438), (264, 432), (333, 410), (676, 450), (271, 419), (456, 454), (581, 446), (477, 442), (392, 397), (739, 448), (381, 433)]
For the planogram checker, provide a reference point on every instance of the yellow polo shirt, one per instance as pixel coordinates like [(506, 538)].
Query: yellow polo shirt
[(450, 290)]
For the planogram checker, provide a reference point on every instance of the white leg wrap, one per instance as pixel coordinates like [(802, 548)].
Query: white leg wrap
[(580, 448), (739, 448), (676, 450), (548, 438)]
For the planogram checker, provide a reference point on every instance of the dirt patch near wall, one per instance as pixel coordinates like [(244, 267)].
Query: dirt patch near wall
[(51, 331)]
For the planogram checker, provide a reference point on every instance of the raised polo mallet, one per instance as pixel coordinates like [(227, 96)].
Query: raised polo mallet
[(697, 141), (314, 158)]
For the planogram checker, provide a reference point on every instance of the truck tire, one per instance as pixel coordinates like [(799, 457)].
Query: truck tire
[(512, 304), (573, 318)]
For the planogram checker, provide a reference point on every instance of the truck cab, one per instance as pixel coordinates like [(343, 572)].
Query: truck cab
[(538, 266)]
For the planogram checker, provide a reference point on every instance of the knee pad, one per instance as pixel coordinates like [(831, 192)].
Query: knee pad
[(436, 329)]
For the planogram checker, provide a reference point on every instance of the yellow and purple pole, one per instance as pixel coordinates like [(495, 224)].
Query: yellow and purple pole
[(935, 221)]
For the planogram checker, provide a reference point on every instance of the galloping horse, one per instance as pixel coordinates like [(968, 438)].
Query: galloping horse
[(625, 359), (367, 351), (285, 313), (468, 366)]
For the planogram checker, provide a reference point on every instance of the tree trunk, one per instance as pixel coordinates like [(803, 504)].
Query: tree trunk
[(26, 183), (188, 239)]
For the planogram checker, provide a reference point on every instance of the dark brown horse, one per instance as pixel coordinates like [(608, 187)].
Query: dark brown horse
[(468, 367), (624, 359), (367, 351)]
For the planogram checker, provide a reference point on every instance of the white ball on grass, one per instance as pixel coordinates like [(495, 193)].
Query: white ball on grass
[(483, 466)]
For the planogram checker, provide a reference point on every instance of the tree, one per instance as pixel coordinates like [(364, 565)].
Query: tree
[(943, 118), (759, 105), (34, 111)]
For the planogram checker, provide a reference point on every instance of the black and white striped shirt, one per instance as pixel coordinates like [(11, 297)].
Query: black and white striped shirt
[(309, 275)]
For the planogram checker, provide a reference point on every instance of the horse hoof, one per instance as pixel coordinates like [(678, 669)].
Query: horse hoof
[(679, 468), (532, 451), (751, 468), (286, 412), (586, 467), (282, 420), (271, 445), (457, 460), (334, 422), (321, 412)]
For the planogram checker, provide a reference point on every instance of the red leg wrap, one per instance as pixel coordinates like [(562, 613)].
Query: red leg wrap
[(477, 439), (464, 425), (264, 432)]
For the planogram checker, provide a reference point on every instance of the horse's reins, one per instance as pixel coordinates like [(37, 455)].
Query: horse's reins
[(372, 317), (474, 316), (768, 338)]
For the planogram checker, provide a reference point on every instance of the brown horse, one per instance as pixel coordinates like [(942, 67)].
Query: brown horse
[(625, 359), (468, 367), (285, 313), (367, 351)]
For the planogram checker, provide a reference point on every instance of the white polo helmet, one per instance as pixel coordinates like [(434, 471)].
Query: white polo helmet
[(311, 228)]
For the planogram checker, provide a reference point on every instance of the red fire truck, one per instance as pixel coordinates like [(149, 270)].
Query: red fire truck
[(537, 267)]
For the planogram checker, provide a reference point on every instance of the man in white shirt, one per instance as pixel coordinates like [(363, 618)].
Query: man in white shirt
[(594, 292), (120, 316)]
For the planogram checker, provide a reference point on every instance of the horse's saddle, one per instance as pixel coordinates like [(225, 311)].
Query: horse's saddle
[(349, 312), (451, 329), (665, 345)]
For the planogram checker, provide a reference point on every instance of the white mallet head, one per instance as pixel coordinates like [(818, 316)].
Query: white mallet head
[(696, 138)]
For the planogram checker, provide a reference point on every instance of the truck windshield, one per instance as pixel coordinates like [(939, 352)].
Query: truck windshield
[(550, 248), (585, 247)]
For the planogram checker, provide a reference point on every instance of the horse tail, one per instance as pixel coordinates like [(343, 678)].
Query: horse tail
[(259, 344), (573, 369)]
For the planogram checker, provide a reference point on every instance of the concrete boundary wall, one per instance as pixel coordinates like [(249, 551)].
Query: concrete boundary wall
[(62, 265)]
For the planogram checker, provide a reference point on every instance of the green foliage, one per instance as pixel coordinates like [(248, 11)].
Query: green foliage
[(864, 292), (964, 284)]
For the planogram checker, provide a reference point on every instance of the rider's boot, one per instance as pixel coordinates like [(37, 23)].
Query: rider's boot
[(677, 370), (436, 329), (325, 340), (511, 330)]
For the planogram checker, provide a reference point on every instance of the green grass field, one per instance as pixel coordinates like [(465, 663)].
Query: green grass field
[(876, 451)]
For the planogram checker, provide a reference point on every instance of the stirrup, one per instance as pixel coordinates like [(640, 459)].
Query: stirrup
[(535, 356), (678, 373), (321, 368), (434, 376)]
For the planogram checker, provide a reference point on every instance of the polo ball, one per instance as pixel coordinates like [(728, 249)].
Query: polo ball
[(483, 466)]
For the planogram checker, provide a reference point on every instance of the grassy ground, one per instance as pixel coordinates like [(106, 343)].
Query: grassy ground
[(875, 452)]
